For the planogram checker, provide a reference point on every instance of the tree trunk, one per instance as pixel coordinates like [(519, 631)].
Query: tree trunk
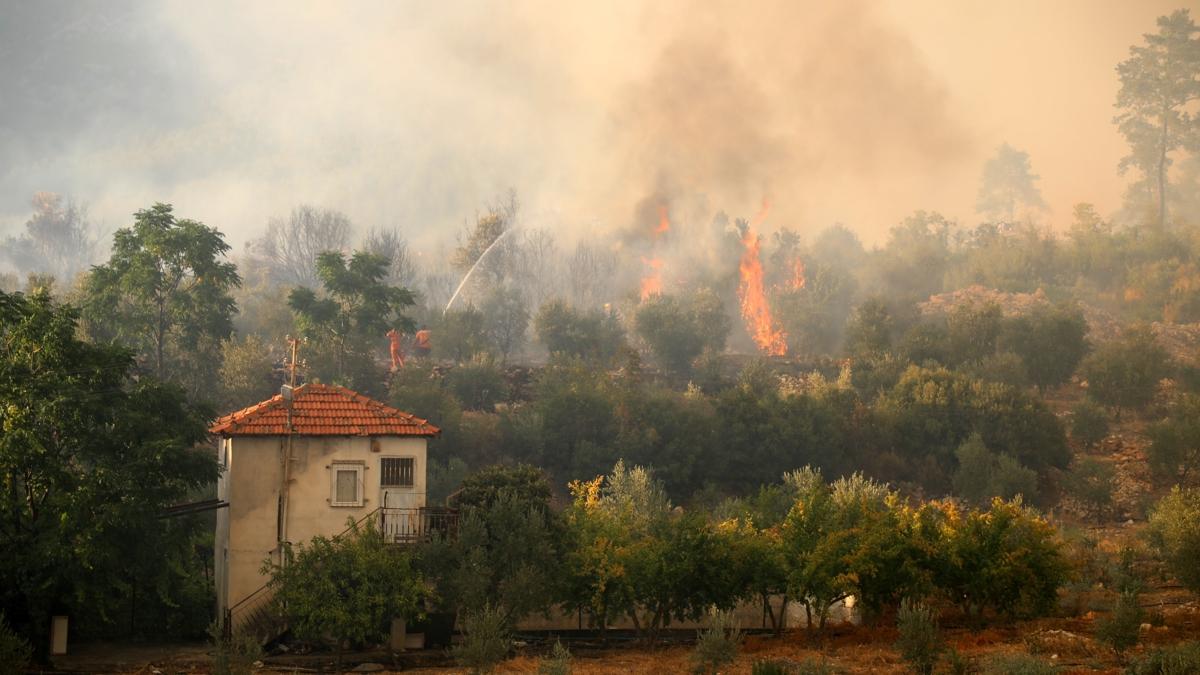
[(1162, 177)]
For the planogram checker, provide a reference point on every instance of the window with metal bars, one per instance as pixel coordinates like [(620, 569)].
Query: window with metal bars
[(396, 471)]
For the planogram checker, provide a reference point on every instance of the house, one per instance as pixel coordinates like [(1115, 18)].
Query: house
[(351, 458)]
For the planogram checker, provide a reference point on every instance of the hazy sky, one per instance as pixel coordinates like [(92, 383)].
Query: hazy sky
[(415, 115)]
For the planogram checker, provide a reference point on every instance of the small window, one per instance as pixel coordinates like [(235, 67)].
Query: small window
[(347, 484), (396, 471)]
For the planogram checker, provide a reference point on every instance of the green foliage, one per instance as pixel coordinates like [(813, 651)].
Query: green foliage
[(1091, 482), (247, 372), (557, 662), (1175, 532), (679, 329), (357, 308), (593, 335), (349, 588), (505, 320), (1006, 559), (233, 655), (479, 383), (718, 644), (15, 652), (486, 640), (1016, 664), (930, 412), (1089, 423), (982, 475), (504, 556), (1119, 629), (164, 292), (90, 455), (484, 488), (459, 335), (869, 331), (1050, 341), (1180, 659), (1125, 373), (920, 642), (814, 315), (444, 478), (1174, 452)]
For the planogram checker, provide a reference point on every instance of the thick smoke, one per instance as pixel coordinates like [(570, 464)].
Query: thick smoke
[(415, 114)]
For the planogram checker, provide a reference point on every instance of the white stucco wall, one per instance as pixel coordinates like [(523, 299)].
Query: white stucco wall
[(251, 485)]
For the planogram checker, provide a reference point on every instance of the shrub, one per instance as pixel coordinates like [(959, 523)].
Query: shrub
[(920, 640), (982, 475), (15, 651), (718, 645), (1090, 482), (1174, 452), (1175, 532), (479, 383), (557, 662), (233, 655), (485, 642), (1120, 629), (1016, 664), (1089, 423), (1125, 374), (1180, 659)]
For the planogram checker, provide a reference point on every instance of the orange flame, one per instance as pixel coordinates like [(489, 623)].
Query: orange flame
[(798, 279), (652, 281), (761, 325)]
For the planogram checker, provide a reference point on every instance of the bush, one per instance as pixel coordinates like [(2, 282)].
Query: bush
[(557, 662), (982, 475), (485, 642), (1120, 629), (1016, 664), (677, 330), (15, 652), (718, 645), (920, 640), (479, 383), (1089, 423), (593, 335), (233, 655), (1181, 659), (1091, 482), (1174, 452), (1175, 532), (1125, 374)]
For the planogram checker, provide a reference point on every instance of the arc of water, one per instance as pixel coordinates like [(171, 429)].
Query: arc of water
[(471, 271)]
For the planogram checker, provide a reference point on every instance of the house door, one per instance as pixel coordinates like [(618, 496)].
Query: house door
[(401, 512)]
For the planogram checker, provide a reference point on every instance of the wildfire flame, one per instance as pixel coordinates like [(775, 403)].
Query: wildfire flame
[(652, 281), (761, 325), (798, 280)]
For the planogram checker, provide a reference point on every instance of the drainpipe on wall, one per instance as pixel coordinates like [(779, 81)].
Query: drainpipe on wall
[(288, 392)]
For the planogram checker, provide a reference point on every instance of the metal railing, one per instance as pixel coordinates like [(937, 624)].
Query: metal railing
[(411, 526)]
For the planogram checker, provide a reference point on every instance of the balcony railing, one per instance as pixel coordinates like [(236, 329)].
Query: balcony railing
[(410, 526)]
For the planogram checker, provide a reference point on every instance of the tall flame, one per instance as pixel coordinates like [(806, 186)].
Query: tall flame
[(652, 281), (761, 325)]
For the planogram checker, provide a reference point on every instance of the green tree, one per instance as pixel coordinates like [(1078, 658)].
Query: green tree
[(869, 332), (505, 320), (1174, 451), (593, 335), (483, 488), (982, 474), (1175, 533), (248, 372), (357, 309), (479, 383), (1159, 82), (1089, 423), (165, 292), (460, 334), (1091, 483), (1051, 342), (1125, 373), (1008, 183), (89, 457), (678, 329), (348, 588)]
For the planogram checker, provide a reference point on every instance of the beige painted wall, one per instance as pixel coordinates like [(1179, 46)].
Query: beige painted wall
[(247, 530)]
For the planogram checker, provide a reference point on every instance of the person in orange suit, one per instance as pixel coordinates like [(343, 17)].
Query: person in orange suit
[(396, 349), (421, 342)]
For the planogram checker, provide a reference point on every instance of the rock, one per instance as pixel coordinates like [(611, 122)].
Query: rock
[(368, 668), (1144, 628)]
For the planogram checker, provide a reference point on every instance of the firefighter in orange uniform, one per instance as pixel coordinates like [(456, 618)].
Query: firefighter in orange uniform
[(421, 343), (396, 349)]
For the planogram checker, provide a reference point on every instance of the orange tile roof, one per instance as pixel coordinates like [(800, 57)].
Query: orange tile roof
[(323, 410)]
